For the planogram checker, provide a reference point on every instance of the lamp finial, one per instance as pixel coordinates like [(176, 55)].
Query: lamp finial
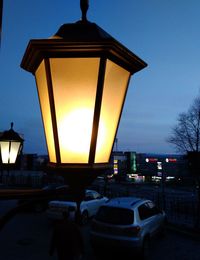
[(84, 4), (12, 125)]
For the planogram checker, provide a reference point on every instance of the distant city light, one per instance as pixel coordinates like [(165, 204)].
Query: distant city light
[(171, 160), (159, 165), (151, 160), (115, 166)]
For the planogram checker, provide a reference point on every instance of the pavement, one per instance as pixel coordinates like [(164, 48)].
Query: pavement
[(182, 230), (27, 236)]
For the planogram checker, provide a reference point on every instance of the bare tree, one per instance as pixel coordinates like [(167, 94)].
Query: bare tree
[(185, 137), (185, 134)]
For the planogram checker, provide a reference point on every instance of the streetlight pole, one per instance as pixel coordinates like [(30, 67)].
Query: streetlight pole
[(194, 170), (160, 170)]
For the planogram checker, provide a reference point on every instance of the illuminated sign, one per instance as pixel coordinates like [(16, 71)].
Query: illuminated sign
[(115, 166), (151, 160), (171, 160), (159, 165)]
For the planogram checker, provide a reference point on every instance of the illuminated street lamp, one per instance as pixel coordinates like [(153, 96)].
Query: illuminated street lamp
[(10, 146), (82, 75)]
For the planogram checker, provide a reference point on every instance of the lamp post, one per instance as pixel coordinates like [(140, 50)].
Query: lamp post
[(193, 158), (82, 75), (10, 146)]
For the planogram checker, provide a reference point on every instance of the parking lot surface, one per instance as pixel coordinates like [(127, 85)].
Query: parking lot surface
[(27, 236)]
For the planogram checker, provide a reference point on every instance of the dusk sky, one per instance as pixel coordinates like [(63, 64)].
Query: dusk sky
[(164, 33)]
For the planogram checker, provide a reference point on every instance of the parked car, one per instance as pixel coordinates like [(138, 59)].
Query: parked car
[(55, 186), (88, 207), (128, 223)]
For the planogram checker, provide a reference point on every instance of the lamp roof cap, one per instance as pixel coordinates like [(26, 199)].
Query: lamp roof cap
[(11, 135)]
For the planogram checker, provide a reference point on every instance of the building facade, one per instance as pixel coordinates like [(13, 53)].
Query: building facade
[(150, 166)]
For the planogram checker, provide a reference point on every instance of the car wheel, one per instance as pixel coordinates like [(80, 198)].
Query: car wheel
[(84, 217), (99, 252), (146, 248), (162, 232)]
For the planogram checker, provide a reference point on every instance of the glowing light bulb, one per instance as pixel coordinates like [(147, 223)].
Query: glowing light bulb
[(75, 131)]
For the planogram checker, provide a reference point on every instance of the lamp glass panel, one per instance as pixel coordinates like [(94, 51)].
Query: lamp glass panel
[(9, 151), (41, 81), (74, 87), (4, 151), (14, 149), (115, 86)]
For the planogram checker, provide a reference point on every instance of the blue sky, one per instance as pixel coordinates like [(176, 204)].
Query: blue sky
[(164, 33)]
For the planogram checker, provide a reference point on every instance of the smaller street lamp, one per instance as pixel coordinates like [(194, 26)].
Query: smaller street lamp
[(10, 146)]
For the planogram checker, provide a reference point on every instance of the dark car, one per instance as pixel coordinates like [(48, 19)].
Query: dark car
[(38, 200)]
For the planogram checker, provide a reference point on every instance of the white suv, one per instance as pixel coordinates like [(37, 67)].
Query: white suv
[(89, 206), (128, 223)]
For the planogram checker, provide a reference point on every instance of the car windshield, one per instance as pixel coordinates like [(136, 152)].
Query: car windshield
[(115, 216)]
